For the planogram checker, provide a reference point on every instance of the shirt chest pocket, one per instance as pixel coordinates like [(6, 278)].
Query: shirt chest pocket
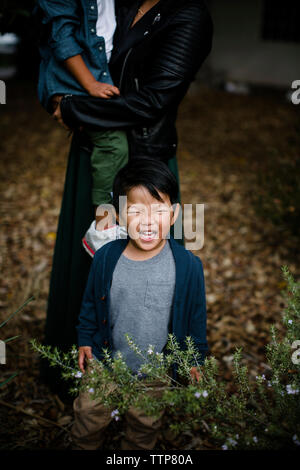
[(159, 295)]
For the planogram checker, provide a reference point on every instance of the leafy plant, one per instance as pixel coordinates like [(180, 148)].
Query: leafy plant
[(13, 337), (258, 414)]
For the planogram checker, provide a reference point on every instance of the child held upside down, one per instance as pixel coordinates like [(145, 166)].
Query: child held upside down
[(76, 45), (145, 285)]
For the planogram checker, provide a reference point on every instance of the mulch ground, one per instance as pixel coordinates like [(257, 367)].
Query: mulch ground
[(225, 141)]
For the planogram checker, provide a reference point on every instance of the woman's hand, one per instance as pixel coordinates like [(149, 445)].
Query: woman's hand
[(57, 111)]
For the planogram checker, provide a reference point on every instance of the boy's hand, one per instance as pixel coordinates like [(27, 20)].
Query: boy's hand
[(102, 90), (195, 374), (85, 352)]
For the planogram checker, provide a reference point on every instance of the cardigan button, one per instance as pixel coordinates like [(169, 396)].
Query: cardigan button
[(104, 321), (105, 342), (103, 297)]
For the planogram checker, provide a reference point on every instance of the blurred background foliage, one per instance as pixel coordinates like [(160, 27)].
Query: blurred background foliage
[(16, 17)]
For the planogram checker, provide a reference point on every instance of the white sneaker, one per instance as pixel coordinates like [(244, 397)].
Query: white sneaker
[(95, 239)]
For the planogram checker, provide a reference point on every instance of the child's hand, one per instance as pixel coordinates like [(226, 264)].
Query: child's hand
[(195, 374), (85, 352), (102, 90)]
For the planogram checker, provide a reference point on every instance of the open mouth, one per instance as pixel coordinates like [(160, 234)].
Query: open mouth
[(148, 235)]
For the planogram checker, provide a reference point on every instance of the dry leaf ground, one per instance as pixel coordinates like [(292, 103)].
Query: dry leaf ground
[(225, 140)]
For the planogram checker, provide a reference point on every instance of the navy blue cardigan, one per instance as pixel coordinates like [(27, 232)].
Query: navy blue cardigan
[(188, 314)]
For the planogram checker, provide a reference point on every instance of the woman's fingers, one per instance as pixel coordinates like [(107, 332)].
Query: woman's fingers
[(58, 117)]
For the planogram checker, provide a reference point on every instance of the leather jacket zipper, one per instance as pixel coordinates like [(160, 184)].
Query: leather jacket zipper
[(137, 86), (123, 68), (136, 80)]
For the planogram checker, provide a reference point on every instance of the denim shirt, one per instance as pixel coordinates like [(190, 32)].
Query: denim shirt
[(70, 28)]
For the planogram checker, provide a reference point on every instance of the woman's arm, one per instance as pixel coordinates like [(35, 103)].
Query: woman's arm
[(182, 52)]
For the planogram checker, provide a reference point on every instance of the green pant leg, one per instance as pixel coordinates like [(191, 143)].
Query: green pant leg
[(109, 155), (173, 166)]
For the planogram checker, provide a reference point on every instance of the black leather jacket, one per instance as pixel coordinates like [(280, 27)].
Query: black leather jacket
[(153, 64)]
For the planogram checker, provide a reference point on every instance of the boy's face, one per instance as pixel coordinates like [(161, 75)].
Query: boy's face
[(148, 220)]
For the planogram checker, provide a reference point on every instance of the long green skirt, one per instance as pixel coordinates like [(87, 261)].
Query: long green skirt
[(71, 263)]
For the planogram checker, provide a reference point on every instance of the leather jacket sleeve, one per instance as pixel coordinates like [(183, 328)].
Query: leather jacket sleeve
[(63, 19), (187, 42)]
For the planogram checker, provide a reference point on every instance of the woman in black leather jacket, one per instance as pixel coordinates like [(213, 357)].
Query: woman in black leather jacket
[(153, 64)]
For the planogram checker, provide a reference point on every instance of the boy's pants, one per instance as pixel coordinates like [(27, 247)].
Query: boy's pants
[(109, 155), (92, 418)]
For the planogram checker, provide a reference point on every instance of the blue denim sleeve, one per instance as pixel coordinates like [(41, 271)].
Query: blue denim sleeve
[(63, 18)]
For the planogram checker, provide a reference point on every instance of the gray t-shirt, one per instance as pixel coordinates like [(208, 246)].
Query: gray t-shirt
[(141, 298)]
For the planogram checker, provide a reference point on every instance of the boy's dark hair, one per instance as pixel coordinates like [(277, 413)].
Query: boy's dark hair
[(148, 172)]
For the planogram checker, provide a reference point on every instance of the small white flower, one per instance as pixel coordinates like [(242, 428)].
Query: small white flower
[(114, 413), (224, 447), (232, 442), (296, 440), (78, 375), (150, 351), (117, 418), (237, 436), (266, 430), (91, 390), (197, 394), (263, 377), (291, 390), (290, 322), (205, 394), (255, 439)]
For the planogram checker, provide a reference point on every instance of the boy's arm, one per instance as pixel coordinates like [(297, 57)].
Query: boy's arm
[(64, 18), (198, 315), (87, 326), (80, 71)]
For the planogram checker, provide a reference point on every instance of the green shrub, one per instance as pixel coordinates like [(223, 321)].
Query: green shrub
[(259, 414)]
